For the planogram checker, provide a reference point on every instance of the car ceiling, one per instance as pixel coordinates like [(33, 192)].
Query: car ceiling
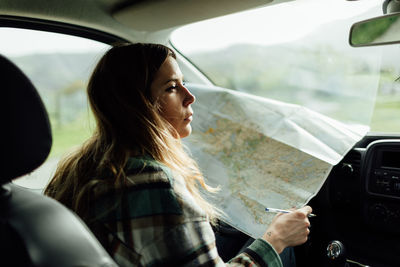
[(133, 20)]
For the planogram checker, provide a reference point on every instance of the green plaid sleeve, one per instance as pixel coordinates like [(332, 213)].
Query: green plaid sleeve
[(193, 244), (156, 222), (261, 253)]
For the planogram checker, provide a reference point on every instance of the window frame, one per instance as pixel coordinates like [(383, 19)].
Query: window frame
[(60, 27)]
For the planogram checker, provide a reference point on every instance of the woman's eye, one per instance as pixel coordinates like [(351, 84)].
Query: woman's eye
[(171, 88)]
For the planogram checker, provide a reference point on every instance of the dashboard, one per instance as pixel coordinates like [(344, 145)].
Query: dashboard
[(381, 174), (359, 205)]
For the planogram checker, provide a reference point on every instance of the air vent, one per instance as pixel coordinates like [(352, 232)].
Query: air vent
[(352, 162), (344, 182)]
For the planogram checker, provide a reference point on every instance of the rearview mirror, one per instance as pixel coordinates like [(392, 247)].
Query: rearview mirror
[(376, 31)]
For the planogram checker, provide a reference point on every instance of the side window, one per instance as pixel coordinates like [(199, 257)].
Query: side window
[(59, 66)]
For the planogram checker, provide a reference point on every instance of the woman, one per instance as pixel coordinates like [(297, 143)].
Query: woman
[(133, 183)]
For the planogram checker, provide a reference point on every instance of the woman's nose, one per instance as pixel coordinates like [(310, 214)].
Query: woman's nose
[(189, 97)]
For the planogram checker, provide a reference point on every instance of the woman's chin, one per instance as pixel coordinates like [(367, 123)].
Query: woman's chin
[(185, 132)]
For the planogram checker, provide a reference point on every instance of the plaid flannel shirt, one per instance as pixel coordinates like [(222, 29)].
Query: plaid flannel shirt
[(155, 221)]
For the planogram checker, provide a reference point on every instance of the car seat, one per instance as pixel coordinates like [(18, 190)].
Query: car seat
[(35, 230)]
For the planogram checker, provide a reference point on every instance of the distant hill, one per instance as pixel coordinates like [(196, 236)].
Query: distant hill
[(258, 69), (51, 72)]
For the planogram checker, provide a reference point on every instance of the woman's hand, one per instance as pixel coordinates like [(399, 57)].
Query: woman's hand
[(288, 229)]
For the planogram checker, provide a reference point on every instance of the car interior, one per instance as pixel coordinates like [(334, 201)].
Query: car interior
[(32, 225), (357, 206)]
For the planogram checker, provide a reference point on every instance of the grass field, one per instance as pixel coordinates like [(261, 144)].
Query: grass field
[(386, 117), (69, 136)]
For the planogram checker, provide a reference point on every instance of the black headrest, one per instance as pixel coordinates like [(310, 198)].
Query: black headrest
[(25, 127)]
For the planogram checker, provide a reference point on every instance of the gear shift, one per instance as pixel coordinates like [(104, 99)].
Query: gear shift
[(336, 254)]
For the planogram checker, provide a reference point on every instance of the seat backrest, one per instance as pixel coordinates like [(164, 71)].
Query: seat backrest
[(34, 230)]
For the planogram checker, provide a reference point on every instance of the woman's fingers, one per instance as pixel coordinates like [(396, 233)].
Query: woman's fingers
[(306, 209), (290, 229)]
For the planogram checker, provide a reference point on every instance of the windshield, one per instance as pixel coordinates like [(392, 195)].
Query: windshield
[(291, 53)]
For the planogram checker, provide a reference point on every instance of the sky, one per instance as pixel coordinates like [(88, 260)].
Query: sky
[(279, 23), (18, 42)]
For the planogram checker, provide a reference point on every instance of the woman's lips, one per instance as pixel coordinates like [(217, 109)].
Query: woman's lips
[(189, 119)]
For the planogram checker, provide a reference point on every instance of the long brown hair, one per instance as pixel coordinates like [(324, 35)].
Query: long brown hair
[(127, 120)]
